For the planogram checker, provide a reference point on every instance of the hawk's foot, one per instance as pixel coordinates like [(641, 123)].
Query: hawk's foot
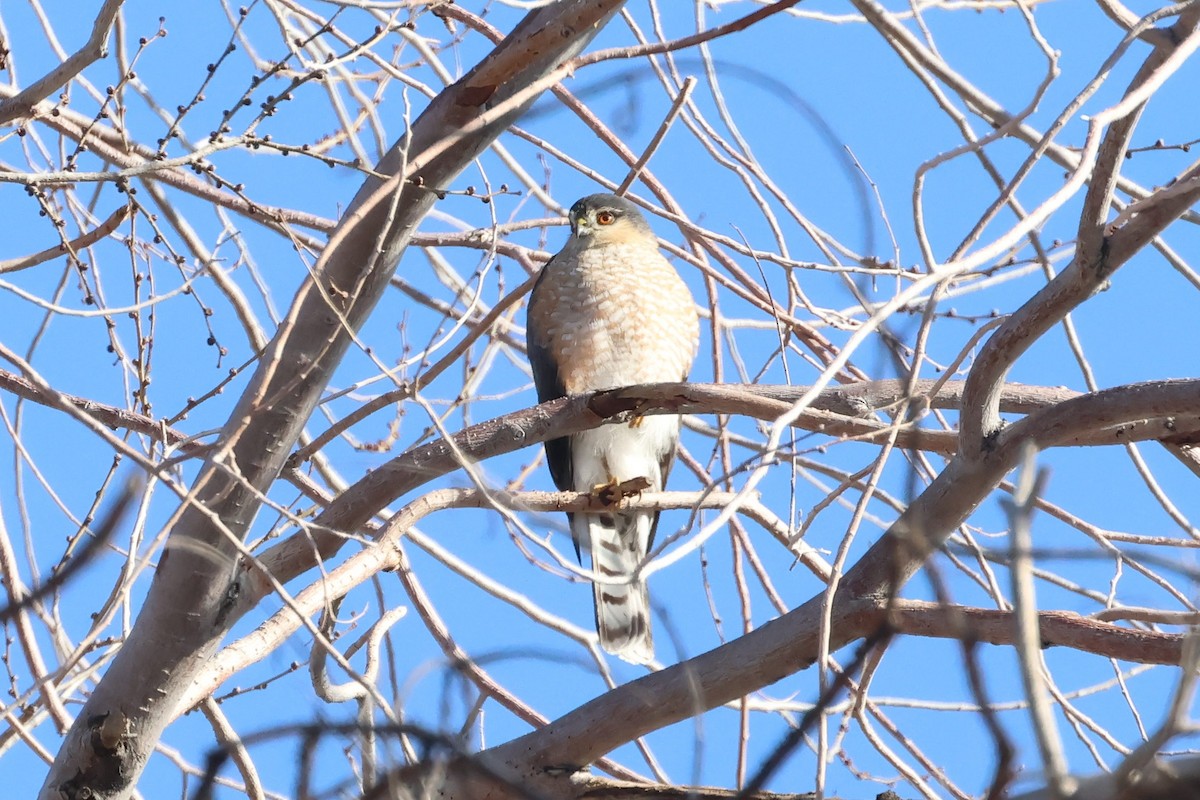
[(615, 491)]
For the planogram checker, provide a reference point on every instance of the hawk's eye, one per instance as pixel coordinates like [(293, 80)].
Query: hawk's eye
[(606, 218)]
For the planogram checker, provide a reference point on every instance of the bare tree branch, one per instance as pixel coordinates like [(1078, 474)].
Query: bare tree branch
[(95, 48)]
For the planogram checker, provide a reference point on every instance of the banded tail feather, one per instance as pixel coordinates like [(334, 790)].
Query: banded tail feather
[(617, 543)]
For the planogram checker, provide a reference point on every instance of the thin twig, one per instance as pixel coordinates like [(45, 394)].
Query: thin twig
[(685, 92), (1020, 512)]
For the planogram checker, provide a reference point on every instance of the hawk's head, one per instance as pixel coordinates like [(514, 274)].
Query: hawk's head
[(604, 218)]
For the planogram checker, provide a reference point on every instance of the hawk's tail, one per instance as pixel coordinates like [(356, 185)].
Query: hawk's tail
[(618, 544)]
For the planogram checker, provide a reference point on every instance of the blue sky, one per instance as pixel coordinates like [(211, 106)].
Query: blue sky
[(804, 92)]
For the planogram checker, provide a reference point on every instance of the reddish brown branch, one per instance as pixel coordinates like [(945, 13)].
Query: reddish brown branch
[(73, 246), (1058, 629)]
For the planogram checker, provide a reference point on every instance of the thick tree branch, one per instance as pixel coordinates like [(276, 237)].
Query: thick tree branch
[(915, 618)]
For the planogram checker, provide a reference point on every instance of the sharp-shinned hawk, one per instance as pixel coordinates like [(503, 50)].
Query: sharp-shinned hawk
[(608, 310)]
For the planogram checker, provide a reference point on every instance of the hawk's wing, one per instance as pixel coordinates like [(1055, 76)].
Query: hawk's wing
[(664, 466), (549, 387), (664, 469)]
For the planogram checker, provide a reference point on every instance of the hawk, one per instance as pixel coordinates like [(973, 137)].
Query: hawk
[(607, 311)]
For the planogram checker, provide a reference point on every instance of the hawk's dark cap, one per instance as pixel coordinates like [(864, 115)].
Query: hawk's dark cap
[(609, 202)]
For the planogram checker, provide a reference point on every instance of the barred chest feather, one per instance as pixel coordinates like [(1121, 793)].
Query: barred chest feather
[(620, 315)]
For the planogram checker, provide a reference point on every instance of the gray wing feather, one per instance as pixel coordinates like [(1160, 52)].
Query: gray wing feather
[(549, 387)]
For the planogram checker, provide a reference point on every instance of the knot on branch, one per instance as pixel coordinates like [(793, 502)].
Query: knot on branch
[(612, 402), (475, 96), (609, 403), (108, 770), (992, 438)]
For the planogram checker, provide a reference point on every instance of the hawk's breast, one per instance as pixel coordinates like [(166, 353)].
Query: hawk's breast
[(615, 315)]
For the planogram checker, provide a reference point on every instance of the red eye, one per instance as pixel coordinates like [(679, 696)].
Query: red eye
[(606, 218)]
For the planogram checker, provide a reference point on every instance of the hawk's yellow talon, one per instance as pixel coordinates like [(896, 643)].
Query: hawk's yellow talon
[(608, 493), (615, 491)]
